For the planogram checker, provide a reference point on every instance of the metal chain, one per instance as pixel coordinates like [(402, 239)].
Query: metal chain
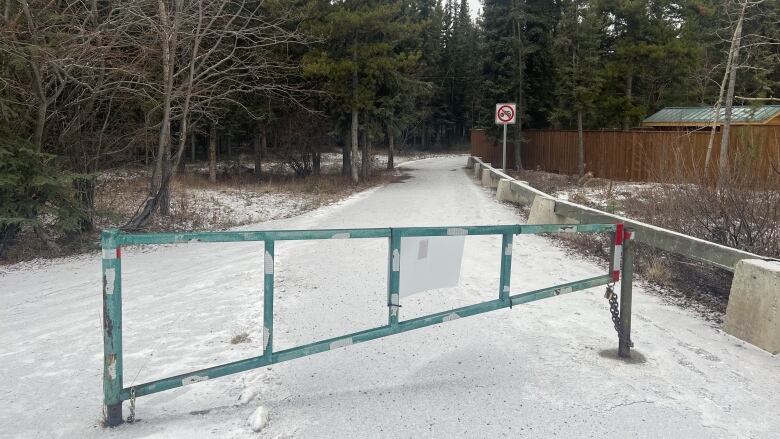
[(614, 310), (131, 418)]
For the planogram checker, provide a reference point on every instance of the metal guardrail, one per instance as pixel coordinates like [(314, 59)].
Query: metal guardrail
[(664, 239), (113, 240)]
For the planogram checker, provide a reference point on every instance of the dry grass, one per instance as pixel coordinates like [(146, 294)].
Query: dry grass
[(198, 204), (240, 338), (682, 281)]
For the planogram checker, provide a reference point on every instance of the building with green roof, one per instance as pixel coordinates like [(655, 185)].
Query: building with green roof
[(698, 117)]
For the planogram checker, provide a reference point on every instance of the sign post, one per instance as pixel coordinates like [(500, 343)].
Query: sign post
[(505, 115)]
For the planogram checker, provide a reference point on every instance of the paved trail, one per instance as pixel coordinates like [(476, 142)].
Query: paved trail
[(538, 370)]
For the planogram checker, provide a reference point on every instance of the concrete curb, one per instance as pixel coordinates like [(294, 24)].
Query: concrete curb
[(756, 285)]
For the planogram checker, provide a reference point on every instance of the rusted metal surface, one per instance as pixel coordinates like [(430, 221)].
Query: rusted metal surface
[(115, 393)]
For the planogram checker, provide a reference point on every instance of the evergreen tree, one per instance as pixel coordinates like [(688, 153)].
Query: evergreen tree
[(577, 61), (360, 42)]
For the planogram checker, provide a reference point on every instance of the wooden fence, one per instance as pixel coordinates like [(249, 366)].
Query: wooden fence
[(636, 155)]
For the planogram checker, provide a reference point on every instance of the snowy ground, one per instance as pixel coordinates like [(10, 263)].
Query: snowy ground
[(539, 370)]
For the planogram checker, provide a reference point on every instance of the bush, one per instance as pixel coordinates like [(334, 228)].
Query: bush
[(741, 210), (34, 194)]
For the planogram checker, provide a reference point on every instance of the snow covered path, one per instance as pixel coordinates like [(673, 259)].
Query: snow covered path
[(539, 370)]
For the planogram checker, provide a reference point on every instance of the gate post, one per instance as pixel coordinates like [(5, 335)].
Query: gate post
[(268, 299), (393, 277), (626, 295), (506, 267), (112, 328)]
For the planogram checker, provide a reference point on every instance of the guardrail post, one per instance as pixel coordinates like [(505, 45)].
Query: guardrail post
[(393, 277), (112, 328), (626, 293), (506, 267), (268, 300)]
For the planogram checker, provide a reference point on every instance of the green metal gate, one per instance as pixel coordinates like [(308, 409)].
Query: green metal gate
[(113, 240)]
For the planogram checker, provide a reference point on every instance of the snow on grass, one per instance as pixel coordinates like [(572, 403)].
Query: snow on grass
[(259, 419), (232, 207)]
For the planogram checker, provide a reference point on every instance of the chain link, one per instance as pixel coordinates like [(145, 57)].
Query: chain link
[(614, 310), (131, 417)]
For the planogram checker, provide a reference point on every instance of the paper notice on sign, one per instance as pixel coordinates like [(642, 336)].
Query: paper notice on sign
[(430, 262)]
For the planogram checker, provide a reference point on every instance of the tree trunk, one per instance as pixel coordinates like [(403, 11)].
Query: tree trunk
[(723, 160), (629, 92), (85, 193), (716, 115), (165, 191), (213, 153), (315, 159), (580, 144), (390, 146), (40, 124), (346, 155), (365, 162), (354, 154), (518, 131), (260, 144), (192, 146)]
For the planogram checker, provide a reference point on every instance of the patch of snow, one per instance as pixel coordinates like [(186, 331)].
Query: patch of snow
[(259, 419), (538, 370), (248, 395)]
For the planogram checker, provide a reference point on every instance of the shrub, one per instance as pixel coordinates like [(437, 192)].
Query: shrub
[(34, 194)]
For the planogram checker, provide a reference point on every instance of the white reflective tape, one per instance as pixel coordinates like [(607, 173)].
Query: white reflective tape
[(110, 278), (508, 250), (394, 299), (269, 263), (109, 253), (266, 337), (618, 257), (449, 317), (340, 236), (396, 260), (565, 290), (455, 231), (341, 343), (506, 288), (193, 379)]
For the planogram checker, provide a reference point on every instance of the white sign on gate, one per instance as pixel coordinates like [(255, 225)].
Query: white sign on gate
[(506, 113), (430, 263)]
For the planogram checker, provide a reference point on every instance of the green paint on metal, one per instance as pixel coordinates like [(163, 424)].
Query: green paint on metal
[(506, 267), (268, 300), (112, 328), (393, 277), (292, 235), (275, 235), (114, 394), (362, 336)]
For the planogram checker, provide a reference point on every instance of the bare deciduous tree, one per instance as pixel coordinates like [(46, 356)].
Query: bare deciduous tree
[(204, 55)]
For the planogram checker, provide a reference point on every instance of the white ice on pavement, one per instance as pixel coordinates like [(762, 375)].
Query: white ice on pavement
[(539, 370)]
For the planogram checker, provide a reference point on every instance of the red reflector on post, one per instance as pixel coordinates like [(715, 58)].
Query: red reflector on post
[(618, 258)]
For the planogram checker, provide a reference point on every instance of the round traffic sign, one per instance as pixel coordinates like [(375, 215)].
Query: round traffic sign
[(505, 113)]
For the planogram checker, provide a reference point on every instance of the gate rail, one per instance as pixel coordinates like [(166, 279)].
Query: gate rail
[(113, 240)]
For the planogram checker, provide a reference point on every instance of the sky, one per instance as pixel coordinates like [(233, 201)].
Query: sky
[(474, 7)]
